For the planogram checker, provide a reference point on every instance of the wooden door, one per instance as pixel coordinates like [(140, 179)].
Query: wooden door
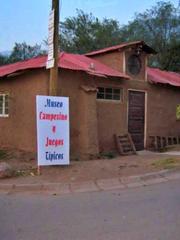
[(136, 118)]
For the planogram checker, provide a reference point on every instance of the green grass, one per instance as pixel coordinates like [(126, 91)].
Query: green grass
[(167, 163), (108, 155), (26, 172), (3, 154)]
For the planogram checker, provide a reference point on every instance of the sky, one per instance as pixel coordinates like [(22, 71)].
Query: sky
[(27, 20)]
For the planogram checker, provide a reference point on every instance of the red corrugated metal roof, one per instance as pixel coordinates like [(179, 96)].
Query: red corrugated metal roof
[(83, 63), (67, 61), (121, 46), (92, 66), (156, 75), (38, 62)]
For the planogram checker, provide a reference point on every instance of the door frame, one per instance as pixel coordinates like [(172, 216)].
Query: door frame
[(145, 112)]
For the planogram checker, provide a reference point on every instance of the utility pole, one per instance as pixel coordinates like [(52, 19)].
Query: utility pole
[(53, 81)]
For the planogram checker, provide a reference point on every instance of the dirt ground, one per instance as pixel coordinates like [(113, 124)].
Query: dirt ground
[(25, 167)]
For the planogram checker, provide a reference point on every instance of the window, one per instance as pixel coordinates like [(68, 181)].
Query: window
[(109, 93), (134, 64), (4, 105)]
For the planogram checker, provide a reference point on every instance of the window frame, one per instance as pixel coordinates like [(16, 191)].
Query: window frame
[(112, 94), (5, 105)]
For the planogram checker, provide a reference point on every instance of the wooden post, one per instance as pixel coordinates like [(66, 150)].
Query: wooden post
[(53, 82)]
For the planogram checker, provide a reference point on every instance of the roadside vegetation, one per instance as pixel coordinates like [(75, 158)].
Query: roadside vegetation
[(168, 163), (3, 154)]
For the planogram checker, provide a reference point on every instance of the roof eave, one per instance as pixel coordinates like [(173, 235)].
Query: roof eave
[(145, 48)]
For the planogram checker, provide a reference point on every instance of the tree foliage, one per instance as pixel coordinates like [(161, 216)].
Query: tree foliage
[(23, 51), (3, 59), (86, 33), (159, 27), (20, 52)]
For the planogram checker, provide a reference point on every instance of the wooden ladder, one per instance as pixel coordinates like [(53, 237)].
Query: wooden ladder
[(125, 145)]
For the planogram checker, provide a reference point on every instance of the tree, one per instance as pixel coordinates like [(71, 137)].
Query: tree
[(23, 51), (86, 33), (3, 59), (20, 52), (160, 28)]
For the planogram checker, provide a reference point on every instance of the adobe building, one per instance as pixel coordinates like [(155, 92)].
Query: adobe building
[(111, 91)]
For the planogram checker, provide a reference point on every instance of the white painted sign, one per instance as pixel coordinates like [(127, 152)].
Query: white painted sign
[(50, 61), (52, 130), (51, 19), (50, 52), (51, 36)]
